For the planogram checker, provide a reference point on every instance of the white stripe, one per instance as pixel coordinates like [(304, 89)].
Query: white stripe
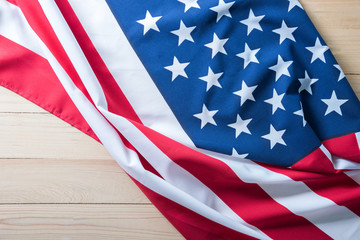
[(127, 69), (344, 164), (166, 167), (334, 220), (76, 56), (339, 163), (246, 171), (15, 26), (326, 152), (355, 175), (357, 135)]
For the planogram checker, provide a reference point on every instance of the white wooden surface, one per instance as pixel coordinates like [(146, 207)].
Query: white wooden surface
[(58, 183)]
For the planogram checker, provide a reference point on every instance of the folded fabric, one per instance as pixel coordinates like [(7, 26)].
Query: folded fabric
[(233, 117)]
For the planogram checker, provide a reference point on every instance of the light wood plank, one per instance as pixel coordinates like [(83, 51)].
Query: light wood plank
[(29, 135), (354, 81), (65, 222), (338, 22), (66, 181), (12, 102)]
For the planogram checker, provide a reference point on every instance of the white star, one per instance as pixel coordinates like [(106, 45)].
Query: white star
[(217, 45), (222, 9), (212, 79), (246, 93), (294, 3), (206, 116), (249, 55), (301, 114), (318, 51), (177, 69), (184, 33), (285, 32), (281, 68), (342, 75), (240, 126), (149, 22), (237, 155), (306, 83), (334, 104), (275, 101), (189, 4), (252, 22), (275, 137)]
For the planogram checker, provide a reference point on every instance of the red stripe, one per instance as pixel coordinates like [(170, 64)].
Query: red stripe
[(248, 200), (339, 188), (117, 102), (345, 147), (40, 24), (336, 186), (190, 224), (31, 76), (316, 161), (12, 1)]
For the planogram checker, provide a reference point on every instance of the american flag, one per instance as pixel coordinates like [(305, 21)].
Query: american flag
[(233, 117)]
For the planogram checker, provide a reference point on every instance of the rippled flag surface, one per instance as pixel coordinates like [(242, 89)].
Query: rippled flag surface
[(253, 77), (233, 117)]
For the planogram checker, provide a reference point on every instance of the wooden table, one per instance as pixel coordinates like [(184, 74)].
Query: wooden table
[(58, 183)]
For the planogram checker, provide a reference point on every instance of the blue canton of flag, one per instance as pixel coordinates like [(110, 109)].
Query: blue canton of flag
[(252, 79)]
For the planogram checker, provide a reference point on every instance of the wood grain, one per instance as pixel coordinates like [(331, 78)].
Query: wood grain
[(12, 103), (66, 221), (66, 181), (338, 22), (58, 183), (354, 81), (30, 135)]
